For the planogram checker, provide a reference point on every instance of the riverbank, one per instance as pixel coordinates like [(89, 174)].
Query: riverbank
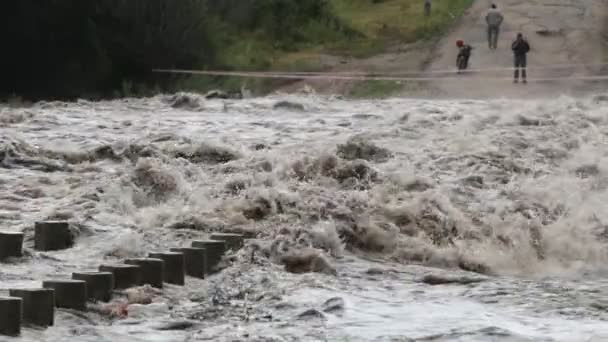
[(568, 42), (385, 36)]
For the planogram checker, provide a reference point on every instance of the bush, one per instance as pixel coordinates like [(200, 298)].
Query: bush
[(69, 48)]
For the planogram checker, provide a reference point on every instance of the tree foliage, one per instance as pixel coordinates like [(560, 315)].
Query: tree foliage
[(74, 48)]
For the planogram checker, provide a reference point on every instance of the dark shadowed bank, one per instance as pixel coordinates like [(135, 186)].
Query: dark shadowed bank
[(70, 48)]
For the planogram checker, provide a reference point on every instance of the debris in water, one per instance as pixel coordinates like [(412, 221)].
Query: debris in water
[(177, 325), (141, 295), (473, 181), (216, 94), (308, 169), (289, 106), (358, 170), (260, 147), (524, 121), (334, 305), (311, 314), (418, 185), (375, 271), (359, 148), (184, 101), (600, 98), (433, 279), (586, 171), (369, 235), (474, 267), (236, 185), (205, 153), (259, 209), (151, 176), (306, 261), (118, 309)]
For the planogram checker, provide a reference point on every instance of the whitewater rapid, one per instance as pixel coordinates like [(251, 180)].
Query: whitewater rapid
[(505, 200)]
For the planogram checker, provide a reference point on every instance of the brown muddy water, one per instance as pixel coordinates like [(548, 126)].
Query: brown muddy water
[(443, 220)]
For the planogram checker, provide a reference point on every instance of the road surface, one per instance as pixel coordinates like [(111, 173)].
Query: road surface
[(561, 32)]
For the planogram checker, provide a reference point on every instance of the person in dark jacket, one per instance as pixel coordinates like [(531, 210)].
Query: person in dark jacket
[(520, 48), (427, 8), (464, 53)]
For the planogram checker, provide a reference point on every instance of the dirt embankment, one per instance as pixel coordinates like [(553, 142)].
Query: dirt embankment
[(568, 39)]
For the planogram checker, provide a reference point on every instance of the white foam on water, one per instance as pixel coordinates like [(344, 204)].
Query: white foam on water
[(508, 188)]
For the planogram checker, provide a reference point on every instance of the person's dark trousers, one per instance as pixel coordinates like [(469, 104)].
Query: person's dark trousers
[(520, 63), (493, 32), (427, 10)]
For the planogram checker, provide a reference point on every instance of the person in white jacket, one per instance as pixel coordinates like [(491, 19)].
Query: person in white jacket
[(494, 19)]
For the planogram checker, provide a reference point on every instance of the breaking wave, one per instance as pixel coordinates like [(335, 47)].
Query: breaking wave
[(502, 187)]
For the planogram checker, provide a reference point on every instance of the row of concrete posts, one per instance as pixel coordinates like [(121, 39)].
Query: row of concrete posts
[(36, 307)]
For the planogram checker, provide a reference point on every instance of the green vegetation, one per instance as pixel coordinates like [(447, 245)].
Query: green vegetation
[(375, 89), (95, 49), (382, 88), (384, 22)]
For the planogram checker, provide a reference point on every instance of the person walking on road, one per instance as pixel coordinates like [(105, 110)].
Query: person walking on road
[(427, 8), (520, 48), (494, 19)]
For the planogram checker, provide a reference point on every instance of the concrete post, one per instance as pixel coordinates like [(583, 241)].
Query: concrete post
[(233, 241), (125, 276), (11, 245), (10, 316), (195, 259), (69, 294), (175, 267), (38, 305), (214, 251), (99, 285), (52, 236), (152, 271)]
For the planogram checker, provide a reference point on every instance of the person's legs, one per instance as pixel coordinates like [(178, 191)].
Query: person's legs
[(490, 36), (495, 37), (523, 63), (427, 9), (516, 72)]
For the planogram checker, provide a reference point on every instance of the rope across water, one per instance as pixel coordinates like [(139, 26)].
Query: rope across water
[(413, 76)]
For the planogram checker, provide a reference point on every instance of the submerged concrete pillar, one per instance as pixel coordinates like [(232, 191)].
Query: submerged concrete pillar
[(10, 316), (69, 294), (195, 261), (11, 245), (52, 236), (152, 271), (214, 251), (175, 268), (99, 285), (38, 306), (233, 241), (125, 276)]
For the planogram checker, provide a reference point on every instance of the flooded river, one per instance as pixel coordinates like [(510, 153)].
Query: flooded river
[(442, 220)]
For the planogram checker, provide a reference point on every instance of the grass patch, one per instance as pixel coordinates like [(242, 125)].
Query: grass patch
[(364, 28), (384, 89), (375, 89), (390, 21), (367, 27), (305, 61)]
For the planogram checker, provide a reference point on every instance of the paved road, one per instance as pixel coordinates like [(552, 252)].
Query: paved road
[(559, 31)]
